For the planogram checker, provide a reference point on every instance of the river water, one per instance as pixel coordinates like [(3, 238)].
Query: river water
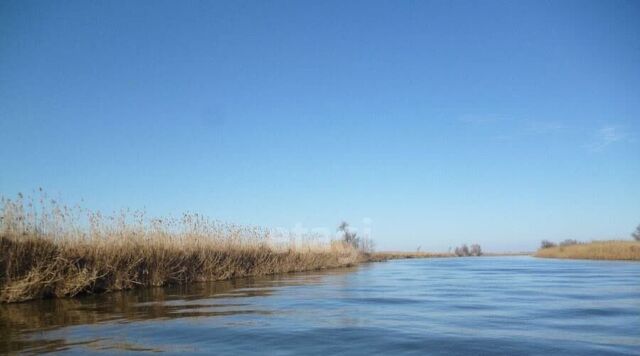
[(487, 305)]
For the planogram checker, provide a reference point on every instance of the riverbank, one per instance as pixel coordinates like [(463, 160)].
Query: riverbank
[(597, 250), (56, 251), (36, 267), (396, 255)]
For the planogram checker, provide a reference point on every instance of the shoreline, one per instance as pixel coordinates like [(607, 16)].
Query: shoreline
[(53, 251), (615, 250), (48, 269), (39, 268), (398, 255)]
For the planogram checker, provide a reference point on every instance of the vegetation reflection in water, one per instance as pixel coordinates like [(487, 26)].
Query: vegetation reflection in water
[(444, 306), (22, 324)]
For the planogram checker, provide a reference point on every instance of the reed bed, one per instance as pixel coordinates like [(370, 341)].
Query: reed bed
[(597, 250), (50, 250)]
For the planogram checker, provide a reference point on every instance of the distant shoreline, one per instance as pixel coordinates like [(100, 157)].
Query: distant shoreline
[(597, 250), (399, 255)]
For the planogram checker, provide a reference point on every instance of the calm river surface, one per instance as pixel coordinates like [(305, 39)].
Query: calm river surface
[(488, 305)]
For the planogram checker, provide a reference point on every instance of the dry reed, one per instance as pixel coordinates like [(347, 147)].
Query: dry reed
[(597, 250), (49, 250)]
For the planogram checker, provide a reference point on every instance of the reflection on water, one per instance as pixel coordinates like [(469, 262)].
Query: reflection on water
[(32, 326), (502, 305)]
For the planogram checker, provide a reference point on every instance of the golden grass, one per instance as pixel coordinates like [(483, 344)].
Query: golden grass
[(51, 251), (597, 250)]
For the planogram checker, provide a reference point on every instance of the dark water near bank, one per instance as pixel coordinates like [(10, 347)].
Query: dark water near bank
[(497, 305)]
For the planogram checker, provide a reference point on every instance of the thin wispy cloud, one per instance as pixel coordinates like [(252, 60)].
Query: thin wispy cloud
[(505, 129), (605, 137)]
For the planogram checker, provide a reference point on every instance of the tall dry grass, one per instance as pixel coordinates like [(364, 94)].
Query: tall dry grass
[(51, 250), (597, 250)]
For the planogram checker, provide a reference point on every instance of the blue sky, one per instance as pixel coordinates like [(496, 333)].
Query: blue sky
[(430, 123)]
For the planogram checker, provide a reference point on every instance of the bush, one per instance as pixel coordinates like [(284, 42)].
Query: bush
[(464, 250), (348, 237), (569, 242), (547, 244), (636, 234), (363, 244)]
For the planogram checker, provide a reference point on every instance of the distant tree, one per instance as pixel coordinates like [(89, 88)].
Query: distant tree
[(636, 234), (475, 250), (547, 244), (462, 251), (569, 242), (347, 236), (343, 227)]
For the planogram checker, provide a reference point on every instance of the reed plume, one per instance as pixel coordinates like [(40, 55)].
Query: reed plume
[(52, 250)]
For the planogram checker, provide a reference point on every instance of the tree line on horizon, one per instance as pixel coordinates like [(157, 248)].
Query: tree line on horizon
[(568, 242), (465, 251), (366, 245)]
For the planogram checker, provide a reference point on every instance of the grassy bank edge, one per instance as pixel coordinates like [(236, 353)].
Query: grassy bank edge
[(597, 250), (39, 268), (33, 267)]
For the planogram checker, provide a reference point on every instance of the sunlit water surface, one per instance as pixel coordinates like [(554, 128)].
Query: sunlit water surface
[(497, 305)]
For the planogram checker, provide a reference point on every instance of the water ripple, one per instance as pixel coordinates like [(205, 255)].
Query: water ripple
[(497, 305)]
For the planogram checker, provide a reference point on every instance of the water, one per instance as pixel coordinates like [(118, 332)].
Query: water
[(497, 305)]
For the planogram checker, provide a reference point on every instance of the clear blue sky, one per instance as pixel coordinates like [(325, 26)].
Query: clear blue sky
[(432, 123)]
